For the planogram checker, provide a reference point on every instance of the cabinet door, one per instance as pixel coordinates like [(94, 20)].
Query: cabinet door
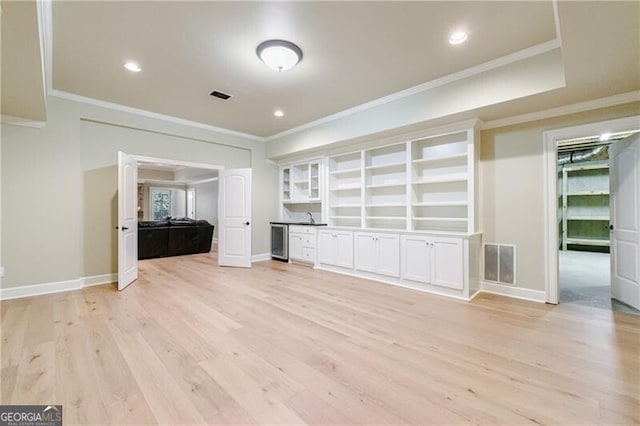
[(343, 249), (388, 254), (416, 261), (365, 245), (447, 263), (327, 245), (295, 246)]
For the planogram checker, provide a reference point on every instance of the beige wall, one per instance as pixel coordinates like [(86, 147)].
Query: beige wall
[(512, 187), (59, 186), (207, 203)]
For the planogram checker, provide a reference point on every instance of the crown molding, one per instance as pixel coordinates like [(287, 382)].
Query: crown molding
[(17, 121), (609, 101), (149, 114), (469, 72)]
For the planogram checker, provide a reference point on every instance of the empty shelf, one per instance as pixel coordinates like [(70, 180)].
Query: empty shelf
[(587, 242), (441, 219), (386, 185), (386, 205), (458, 177), (386, 217), (345, 171), (578, 193), (345, 188), (444, 157), (588, 218), (387, 166), (440, 203)]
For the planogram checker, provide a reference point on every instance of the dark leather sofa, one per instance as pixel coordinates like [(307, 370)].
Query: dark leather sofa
[(173, 237)]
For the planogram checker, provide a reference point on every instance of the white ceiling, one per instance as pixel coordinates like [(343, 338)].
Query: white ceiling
[(354, 52)]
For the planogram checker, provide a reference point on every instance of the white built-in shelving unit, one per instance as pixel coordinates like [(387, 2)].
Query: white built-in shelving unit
[(385, 199), (441, 182), (401, 210), (345, 189), (425, 184), (301, 190)]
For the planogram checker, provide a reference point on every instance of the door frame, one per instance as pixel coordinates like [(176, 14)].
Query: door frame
[(550, 181), (159, 160)]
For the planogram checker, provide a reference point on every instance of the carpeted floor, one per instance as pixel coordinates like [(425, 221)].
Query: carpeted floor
[(585, 280)]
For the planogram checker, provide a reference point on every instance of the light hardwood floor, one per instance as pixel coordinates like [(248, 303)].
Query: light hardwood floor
[(190, 343)]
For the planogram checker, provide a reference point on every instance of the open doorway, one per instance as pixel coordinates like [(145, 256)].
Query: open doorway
[(584, 255), (177, 209), (233, 208), (589, 259)]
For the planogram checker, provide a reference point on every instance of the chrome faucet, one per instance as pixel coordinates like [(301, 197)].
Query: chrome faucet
[(311, 218)]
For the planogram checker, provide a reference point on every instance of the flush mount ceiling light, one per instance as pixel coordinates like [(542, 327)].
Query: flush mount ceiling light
[(458, 37), (278, 113), (279, 55), (132, 66)]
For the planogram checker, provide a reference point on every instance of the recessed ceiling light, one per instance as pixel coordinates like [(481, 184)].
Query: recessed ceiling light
[(279, 55), (132, 66), (605, 137), (458, 37), (278, 113)]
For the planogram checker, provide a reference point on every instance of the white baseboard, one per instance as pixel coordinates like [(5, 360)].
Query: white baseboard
[(260, 257), (55, 287), (515, 292), (99, 279)]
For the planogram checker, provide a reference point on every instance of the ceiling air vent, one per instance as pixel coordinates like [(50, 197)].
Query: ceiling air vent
[(220, 95)]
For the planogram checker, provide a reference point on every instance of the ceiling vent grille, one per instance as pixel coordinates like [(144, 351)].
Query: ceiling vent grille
[(500, 263), (221, 95)]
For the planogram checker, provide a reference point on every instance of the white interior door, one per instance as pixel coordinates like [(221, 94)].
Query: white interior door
[(127, 220), (234, 218), (625, 215)]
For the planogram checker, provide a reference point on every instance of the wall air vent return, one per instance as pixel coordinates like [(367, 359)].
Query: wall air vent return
[(220, 95), (500, 263)]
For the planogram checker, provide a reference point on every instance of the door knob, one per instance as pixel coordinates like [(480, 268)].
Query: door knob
[(124, 228), (611, 227), (247, 223)]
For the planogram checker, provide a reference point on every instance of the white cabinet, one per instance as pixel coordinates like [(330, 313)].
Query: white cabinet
[(378, 253), (335, 248), (433, 260), (302, 243)]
